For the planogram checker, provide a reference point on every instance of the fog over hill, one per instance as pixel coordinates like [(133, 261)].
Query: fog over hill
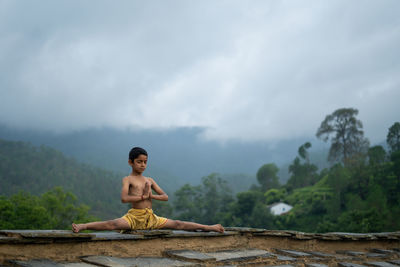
[(177, 154)]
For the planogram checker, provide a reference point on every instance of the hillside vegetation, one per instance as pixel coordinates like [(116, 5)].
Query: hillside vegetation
[(36, 170)]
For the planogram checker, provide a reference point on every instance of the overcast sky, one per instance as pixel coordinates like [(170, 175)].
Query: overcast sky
[(242, 70)]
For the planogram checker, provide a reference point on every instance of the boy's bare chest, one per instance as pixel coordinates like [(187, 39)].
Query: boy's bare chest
[(136, 187)]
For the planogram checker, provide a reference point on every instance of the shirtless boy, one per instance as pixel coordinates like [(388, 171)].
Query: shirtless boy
[(137, 190)]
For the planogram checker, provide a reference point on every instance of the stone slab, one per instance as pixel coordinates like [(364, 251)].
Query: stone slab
[(275, 233), (351, 253), (354, 236), (115, 236), (376, 255), (45, 234), (35, 263), (293, 253), (141, 261), (380, 264), (320, 254), (180, 233), (315, 265), (284, 258), (395, 262), (189, 255), (245, 229), (349, 264), (383, 251), (239, 255), (283, 265)]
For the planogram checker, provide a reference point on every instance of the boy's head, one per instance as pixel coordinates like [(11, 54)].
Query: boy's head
[(136, 152)]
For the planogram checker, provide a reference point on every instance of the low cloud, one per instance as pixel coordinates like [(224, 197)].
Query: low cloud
[(241, 70)]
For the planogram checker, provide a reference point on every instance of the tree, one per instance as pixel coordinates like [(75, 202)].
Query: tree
[(267, 176), (347, 139), (302, 174), (393, 137)]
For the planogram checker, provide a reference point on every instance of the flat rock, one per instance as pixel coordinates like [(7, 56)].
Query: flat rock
[(35, 263), (275, 233), (383, 251), (189, 255), (283, 265), (320, 254), (293, 253), (395, 262), (46, 234), (239, 255), (376, 255), (245, 229), (381, 264), (180, 233), (349, 264), (351, 253), (142, 261), (115, 236), (284, 258), (315, 265)]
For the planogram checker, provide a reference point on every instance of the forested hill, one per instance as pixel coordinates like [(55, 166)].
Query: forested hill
[(24, 167)]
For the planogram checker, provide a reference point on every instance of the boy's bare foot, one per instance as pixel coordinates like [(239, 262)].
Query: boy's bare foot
[(217, 228), (76, 228)]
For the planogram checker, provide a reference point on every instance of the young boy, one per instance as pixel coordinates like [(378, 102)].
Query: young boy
[(137, 189)]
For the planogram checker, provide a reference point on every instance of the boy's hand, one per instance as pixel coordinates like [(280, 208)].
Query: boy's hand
[(147, 190)]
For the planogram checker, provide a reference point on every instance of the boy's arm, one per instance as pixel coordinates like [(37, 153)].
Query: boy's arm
[(126, 198), (161, 195)]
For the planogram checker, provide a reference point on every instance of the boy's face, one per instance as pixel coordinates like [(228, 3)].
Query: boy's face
[(139, 164)]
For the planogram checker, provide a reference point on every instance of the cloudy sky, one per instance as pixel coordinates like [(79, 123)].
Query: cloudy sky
[(242, 70)]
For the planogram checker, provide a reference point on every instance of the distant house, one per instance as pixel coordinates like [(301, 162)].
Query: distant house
[(279, 208)]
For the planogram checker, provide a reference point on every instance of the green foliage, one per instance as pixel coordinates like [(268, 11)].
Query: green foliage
[(348, 139), (54, 209), (206, 203), (267, 176), (274, 195), (302, 174), (393, 137), (37, 170)]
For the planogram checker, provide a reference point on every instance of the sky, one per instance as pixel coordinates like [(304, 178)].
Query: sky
[(240, 70)]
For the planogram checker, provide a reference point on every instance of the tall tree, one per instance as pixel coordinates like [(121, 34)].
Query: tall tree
[(347, 137), (393, 137), (302, 174), (267, 176)]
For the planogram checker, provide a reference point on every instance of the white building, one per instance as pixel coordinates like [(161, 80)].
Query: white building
[(279, 208)]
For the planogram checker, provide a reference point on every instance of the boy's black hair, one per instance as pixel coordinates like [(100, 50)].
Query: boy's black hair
[(136, 152)]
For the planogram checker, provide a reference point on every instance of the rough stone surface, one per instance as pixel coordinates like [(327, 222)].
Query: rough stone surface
[(351, 253), (349, 264), (284, 258), (381, 264), (35, 263), (395, 262), (293, 253), (315, 265), (239, 255), (189, 255), (320, 254), (129, 262)]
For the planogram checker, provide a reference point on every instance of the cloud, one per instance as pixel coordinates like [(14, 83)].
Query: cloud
[(240, 70)]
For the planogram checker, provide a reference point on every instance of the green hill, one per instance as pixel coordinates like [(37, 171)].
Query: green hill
[(24, 167)]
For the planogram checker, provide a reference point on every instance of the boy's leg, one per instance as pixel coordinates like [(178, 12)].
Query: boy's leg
[(182, 225), (117, 224)]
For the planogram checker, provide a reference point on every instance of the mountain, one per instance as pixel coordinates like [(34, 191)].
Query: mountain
[(176, 156), (28, 168)]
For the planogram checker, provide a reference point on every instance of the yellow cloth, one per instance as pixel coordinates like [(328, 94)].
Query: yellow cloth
[(144, 219)]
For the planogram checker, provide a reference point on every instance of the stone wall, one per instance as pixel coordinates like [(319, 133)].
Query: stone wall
[(241, 246)]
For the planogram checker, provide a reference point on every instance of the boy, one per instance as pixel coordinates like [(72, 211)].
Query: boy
[(137, 189)]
